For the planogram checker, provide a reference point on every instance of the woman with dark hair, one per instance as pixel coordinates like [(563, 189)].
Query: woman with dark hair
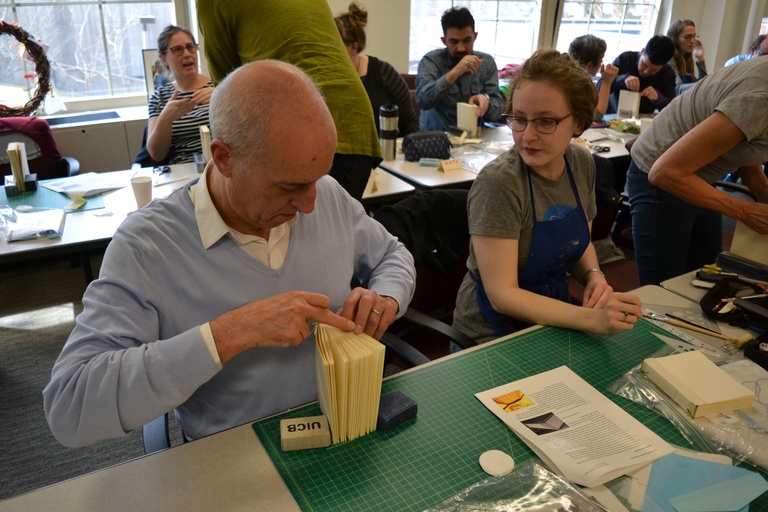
[(382, 82), (179, 108), (530, 214), (687, 48)]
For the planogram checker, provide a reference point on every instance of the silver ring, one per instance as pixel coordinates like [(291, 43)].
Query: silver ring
[(625, 316), (469, 64), (377, 312)]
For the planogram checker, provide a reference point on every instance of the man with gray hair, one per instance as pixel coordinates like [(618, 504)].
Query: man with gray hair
[(758, 48), (205, 300), (588, 50)]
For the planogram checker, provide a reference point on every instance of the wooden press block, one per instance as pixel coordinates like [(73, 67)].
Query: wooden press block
[(304, 433)]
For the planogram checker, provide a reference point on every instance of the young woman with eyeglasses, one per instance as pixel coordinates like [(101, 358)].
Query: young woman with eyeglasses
[(687, 49), (179, 108), (530, 214)]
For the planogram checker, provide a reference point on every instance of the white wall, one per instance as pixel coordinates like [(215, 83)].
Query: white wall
[(726, 27), (388, 28)]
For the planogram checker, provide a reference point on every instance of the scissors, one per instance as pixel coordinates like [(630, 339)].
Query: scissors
[(161, 169)]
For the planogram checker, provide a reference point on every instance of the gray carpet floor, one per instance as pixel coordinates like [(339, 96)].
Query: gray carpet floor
[(38, 305)]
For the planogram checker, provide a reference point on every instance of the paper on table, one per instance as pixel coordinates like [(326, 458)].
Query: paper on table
[(87, 184), (574, 428), (749, 244), (466, 118), (678, 478), (734, 495)]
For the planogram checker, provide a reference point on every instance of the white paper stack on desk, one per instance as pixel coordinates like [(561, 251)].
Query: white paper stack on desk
[(349, 370), (697, 384), (17, 155)]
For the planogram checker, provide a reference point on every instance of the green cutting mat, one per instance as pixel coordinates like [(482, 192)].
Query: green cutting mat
[(44, 198), (435, 456)]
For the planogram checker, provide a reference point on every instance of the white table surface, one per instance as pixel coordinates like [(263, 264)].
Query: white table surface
[(83, 228), (474, 156), (226, 471), (386, 185)]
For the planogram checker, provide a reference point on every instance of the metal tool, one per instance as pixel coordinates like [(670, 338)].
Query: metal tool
[(693, 316), (714, 270), (732, 345), (683, 346)]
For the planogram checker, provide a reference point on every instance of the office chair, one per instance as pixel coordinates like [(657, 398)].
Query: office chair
[(433, 226), (143, 158), (43, 156), (157, 435), (410, 80)]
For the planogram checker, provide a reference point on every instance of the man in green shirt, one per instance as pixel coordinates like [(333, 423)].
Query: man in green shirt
[(302, 33)]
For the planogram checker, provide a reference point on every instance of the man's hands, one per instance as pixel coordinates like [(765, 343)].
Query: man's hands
[(278, 321), (284, 320), (481, 100), (371, 312), (608, 73), (633, 84), (650, 93), (467, 64)]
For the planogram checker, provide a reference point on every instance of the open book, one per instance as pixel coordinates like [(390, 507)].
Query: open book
[(577, 431), (349, 371)]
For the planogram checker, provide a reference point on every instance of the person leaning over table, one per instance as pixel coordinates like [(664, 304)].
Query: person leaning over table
[(529, 216), (302, 33), (205, 300), (687, 48), (384, 85), (457, 73), (646, 72), (716, 128), (178, 109), (588, 51)]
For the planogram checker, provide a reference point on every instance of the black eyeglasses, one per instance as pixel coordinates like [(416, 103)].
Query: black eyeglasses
[(544, 125), (178, 50)]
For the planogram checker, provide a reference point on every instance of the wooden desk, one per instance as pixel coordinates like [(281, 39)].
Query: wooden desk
[(93, 229), (232, 470)]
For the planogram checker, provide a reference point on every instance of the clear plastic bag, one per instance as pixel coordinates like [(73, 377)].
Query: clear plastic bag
[(530, 487), (740, 434), (32, 224)]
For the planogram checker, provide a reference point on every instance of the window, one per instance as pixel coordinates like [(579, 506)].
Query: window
[(94, 46), (509, 29), (624, 24)]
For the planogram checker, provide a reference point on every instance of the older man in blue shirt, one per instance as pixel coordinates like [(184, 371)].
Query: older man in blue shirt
[(456, 74)]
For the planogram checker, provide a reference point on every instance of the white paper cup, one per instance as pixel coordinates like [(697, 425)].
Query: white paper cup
[(142, 189)]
